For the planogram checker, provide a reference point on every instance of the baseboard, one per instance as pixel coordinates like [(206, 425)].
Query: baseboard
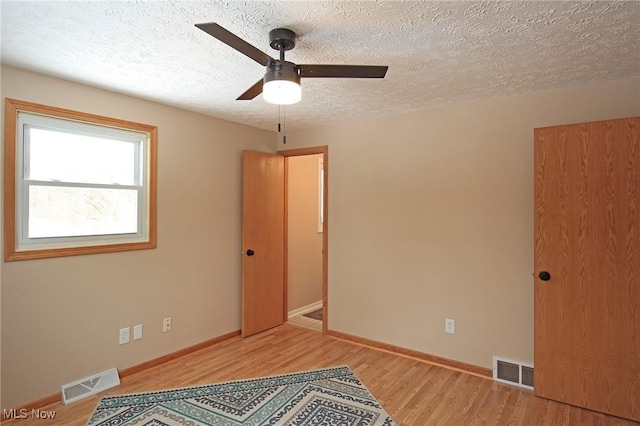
[(305, 309), (55, 398), (474, 370), (177, 354)]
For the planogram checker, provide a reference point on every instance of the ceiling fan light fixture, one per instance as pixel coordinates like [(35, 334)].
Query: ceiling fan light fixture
[(282, 92), (282, 84)]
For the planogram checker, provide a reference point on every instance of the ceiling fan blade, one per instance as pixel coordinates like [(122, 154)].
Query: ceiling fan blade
[(343, 71), (236, 42), (252, 92)]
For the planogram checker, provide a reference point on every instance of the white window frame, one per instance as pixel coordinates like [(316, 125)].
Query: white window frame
[(21, 116)]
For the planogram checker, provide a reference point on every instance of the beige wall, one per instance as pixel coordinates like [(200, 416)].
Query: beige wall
[(431, 217), (304, 241), (60, 317)]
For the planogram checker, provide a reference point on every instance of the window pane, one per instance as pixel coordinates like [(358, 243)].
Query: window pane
[(64, 211), (69, 157)]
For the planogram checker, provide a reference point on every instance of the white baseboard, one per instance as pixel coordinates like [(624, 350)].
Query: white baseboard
[(305, 309)]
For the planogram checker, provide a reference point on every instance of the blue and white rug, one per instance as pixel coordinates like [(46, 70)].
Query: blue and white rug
[(331, 396)]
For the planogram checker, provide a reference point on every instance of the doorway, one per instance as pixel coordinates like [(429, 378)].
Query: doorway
[(306, 230)]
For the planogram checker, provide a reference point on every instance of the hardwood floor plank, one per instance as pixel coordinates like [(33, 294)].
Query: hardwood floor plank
[(415, 393)]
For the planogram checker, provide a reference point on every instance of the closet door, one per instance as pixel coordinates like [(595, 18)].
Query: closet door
[(587, 265)]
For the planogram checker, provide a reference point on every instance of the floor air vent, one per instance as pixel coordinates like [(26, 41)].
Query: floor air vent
[(513, 372), (89, 386)]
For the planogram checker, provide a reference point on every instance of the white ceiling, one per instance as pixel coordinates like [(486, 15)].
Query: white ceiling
[(437, 52)]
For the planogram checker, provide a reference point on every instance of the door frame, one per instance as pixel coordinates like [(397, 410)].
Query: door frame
[(324, 150)]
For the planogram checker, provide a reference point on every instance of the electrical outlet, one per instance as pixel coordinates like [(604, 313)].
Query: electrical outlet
[(166, 324), (449, 326), (137, 332), (124, 335)]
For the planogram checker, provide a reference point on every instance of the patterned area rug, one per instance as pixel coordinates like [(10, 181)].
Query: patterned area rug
[(331, 396)]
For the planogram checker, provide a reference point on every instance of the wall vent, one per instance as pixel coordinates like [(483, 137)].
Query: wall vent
[(89, 386), (513, 372)]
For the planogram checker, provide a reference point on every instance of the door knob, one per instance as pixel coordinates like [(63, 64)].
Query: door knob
[(544, 276), (250, 252)]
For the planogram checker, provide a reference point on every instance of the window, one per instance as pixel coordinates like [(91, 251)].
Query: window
[(76, 183)]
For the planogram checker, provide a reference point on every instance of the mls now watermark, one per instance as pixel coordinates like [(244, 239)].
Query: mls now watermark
[(23, 413)]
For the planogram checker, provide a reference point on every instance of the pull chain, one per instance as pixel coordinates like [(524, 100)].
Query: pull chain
[(282, 123), (284, 119), (279, 118)]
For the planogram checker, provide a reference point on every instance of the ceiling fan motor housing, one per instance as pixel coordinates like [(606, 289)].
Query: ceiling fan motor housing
[(282, 70)]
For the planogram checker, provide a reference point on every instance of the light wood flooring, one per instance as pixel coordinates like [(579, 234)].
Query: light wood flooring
[(414, 393), (306, 322)]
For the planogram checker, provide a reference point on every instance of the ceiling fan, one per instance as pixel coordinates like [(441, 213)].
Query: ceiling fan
[(281, 82)]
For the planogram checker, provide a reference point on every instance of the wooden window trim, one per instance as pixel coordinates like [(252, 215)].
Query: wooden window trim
[(12, 106)]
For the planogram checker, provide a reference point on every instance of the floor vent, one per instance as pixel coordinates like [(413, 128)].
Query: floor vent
[(89, 386), (513, 372)]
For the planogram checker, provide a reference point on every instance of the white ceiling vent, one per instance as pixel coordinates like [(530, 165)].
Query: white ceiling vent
[(513, 372), (89, 386)]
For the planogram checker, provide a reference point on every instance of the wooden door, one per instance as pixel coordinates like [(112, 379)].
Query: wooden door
[(262, 241), (587, 237)]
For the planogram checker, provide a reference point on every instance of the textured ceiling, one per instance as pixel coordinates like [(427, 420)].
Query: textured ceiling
[(437, 52)]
